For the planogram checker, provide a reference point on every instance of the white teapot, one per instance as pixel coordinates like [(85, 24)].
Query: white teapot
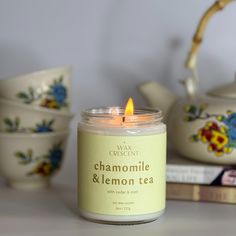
[(201, 127)]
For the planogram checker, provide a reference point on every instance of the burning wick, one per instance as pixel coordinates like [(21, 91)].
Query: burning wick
[(129, 109)]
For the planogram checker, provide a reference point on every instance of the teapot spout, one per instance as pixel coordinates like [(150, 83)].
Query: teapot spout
[(157, 96)]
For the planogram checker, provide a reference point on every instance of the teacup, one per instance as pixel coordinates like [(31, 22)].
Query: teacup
[(28, 161), (46, 88), (21, 118)]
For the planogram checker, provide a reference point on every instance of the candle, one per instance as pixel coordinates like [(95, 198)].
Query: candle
[(121, 165)]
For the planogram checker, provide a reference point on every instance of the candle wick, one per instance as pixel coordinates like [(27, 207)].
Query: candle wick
[(123, 119)]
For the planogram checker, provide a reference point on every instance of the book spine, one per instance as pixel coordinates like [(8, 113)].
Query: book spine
[(193, 174), (201, 193)]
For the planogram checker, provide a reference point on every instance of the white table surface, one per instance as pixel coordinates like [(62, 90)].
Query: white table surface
[(53, 212)]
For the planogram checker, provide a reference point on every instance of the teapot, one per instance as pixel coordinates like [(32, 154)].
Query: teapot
[(201, 127)]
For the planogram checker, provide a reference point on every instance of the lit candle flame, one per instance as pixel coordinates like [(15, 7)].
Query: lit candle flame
[(129, 109)]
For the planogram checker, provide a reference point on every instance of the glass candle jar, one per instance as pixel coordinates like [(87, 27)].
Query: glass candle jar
[(121, 165)]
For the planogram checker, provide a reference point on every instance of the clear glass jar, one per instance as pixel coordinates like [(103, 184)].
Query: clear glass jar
[(121, 165)]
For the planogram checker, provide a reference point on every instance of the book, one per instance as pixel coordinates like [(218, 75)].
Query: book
[(181, 170), (194, 192)]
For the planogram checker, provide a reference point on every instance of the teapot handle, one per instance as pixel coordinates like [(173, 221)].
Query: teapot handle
[(191, 62)]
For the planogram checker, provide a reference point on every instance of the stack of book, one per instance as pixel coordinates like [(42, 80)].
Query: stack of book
[(189, 180)]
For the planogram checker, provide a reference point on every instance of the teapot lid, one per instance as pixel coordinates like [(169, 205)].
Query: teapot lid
[(225, 91)]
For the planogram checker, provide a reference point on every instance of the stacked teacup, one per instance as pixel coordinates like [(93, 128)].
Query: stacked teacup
[(34, 121)]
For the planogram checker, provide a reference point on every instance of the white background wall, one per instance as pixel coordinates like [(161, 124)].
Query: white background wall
[(113, 45)]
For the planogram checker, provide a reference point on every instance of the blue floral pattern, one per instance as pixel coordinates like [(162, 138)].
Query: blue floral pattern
[(55, 156), (55, 97), (230, 121), (13, 126), (44, 127), (59, 92), (46, 164)]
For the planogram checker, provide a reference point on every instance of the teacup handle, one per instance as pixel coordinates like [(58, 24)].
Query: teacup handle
[(191, 62)]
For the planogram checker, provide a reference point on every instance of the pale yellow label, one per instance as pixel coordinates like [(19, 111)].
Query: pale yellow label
[(121, 175)]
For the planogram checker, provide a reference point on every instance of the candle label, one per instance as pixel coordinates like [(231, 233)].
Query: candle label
[(121, 175)]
